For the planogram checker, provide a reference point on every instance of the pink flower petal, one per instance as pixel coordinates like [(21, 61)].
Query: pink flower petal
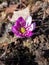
[(31, 27), (28, 34), (28, 21), (17, 33), (20, 21), (14, 30)]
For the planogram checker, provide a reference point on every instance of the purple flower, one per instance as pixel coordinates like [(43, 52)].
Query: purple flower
[(23, 28)]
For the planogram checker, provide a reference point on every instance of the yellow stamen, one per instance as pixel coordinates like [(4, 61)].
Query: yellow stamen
[(22, 30)]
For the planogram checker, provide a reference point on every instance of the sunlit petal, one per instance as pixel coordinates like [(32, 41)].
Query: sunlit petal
[(32, 27), (28, 34), (28, 21)]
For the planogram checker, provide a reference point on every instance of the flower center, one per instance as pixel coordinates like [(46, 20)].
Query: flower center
[(22, 30)]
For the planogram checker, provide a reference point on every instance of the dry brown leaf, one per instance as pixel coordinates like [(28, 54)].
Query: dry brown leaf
[(47, 11), (11, 9), (24, 13), (8, 10), (36, 6)]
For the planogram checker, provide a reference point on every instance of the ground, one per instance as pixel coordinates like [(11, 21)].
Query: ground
[(24, 51)]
